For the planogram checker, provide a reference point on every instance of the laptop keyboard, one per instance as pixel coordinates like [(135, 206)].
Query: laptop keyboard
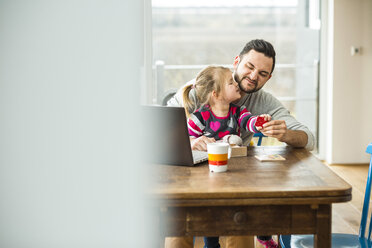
[(199, 156)]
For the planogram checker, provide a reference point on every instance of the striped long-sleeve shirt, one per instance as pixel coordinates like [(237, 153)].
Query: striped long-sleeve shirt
[(204, 122)]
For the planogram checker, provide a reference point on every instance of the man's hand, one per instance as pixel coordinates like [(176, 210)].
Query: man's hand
[(278, 129), (200, 143)]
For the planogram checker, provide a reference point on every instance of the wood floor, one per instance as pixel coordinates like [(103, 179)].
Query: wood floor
[(346, 216)]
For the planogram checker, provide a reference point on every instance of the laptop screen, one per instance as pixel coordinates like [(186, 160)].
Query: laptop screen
[(165, 135)]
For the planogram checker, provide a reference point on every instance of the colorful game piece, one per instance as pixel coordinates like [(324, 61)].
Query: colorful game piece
[(260, 121)]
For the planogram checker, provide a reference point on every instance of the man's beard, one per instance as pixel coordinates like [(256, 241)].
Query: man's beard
[(239, 81)]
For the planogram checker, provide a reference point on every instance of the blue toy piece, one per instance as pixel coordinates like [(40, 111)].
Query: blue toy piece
[(260, 136), (340, 239)]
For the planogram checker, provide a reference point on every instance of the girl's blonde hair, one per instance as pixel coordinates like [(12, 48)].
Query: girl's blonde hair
[(208, 80)]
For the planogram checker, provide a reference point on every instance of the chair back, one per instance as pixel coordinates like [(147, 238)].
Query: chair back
[(363, 222), (167, 96)]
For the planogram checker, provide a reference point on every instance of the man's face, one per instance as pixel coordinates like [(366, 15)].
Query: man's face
[(252, 71)]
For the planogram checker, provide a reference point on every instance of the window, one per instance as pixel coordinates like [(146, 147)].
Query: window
[(189, 35)]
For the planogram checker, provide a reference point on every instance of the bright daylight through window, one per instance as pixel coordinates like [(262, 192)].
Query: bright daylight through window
[(188, 35)]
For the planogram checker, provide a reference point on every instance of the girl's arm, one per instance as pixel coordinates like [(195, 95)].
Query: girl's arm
[(196, 129), (247, 121), (194, 126)]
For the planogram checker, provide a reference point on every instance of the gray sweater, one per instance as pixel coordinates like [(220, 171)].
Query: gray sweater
[(258, 103)]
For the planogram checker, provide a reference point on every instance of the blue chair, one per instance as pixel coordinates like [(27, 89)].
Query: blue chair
[(340, 239), (260, 136)]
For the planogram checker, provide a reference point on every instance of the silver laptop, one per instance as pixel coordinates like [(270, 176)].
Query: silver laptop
[(166, 137)]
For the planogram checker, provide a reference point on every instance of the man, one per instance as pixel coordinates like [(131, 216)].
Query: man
[(253, 67)]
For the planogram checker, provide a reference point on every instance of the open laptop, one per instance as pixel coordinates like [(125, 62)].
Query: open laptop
[(166, 137)]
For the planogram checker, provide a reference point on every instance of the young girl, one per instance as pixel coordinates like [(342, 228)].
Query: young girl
[(218, 116)]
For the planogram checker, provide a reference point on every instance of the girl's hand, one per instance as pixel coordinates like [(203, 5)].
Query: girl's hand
[(200, 143), (266, 117), (262, 119)]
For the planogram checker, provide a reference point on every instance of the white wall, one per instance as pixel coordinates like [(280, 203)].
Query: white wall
[(69, 176), (366, 83), (347, 123)]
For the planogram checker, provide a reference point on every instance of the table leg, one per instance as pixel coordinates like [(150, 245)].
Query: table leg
[(322, 237)]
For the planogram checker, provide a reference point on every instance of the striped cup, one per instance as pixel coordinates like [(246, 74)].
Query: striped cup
[(218, 155)]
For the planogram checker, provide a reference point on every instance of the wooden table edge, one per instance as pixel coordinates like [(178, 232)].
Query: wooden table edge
[(252, 201)]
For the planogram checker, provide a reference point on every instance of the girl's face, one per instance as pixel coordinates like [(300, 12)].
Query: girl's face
[(231, 91)]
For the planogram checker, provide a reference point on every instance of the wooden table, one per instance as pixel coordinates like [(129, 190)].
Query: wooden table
[(294, 196)]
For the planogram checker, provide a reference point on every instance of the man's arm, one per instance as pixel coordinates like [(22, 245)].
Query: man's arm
[(283, 126), (296, 138), (177, 101)]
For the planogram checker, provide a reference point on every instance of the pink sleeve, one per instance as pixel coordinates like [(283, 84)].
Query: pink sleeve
[(247, 120), (194, 130)]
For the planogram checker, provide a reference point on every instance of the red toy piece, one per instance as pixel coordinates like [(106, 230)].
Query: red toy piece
[(260, 121)]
